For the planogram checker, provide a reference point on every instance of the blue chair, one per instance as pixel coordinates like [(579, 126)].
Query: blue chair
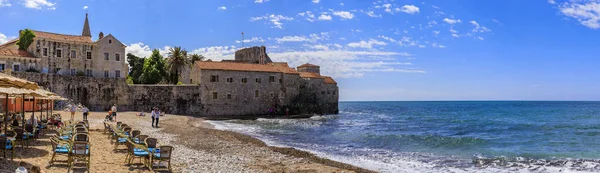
[(59, 147), (133, 152), (80, 151), (6, 146)]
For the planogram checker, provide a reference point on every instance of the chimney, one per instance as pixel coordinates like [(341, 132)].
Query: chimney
[(100, 36)]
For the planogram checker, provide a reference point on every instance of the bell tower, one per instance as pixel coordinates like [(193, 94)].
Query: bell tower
[(86, 28)]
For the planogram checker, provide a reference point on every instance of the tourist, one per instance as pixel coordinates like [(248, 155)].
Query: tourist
[(85, 112), (15, 121), (73, 109), (114, 111), (32, 121), (155, 116), (21, 168)]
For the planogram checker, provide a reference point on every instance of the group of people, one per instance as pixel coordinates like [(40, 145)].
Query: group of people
[(112, 113)]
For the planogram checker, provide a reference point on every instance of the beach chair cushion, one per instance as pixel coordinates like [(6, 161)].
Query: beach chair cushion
[(157, 155), (122, 140), (151, 149), (62, 150), (66, 137), (140, 153)]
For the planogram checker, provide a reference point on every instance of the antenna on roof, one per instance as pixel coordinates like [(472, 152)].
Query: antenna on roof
[(242, 40)]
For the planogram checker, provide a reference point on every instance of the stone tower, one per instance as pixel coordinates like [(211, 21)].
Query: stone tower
[(86, 27), (253, 55)]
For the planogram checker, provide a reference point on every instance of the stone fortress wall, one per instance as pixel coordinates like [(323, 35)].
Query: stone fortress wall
[(100, 93)]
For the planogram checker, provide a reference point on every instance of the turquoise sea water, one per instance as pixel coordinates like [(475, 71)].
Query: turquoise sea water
[(461, 136)]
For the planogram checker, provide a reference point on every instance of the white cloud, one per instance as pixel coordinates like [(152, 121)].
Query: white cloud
[(437, 45), (5, 3), (436, 7), (371, 14), (253, 39), (348, 64), (387, 38), (276, 20), (451, 21), (479, 28), (342, 4), (410, 9), (85, 7), (309, 15), (222, 8), (324, 17), (455, 35), (480, 38), (4, 38), (260, 1), (436, 32), (367, 44), (586, 12), (39, 4), (292, 39), (344, 14), (310, 38), (316, 1), (551, 1), (142, 50)]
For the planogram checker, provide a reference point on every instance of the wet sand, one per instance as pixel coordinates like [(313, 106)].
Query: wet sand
[(198, 148)]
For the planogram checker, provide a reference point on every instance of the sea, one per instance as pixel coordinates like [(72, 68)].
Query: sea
[(444, 136)]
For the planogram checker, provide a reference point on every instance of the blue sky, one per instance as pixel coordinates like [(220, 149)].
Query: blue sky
[(376, 50)]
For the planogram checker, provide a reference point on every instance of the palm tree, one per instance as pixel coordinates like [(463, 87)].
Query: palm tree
[(176, 62), (196, 57)]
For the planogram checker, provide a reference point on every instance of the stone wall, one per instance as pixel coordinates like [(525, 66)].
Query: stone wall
[(254, 55), (300, 95)]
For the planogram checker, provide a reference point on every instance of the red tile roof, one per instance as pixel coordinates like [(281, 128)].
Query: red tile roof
[(232, 66), (307, 65), (326, 79), (329, 80), (62, 37), (15, 53), (9, 43)]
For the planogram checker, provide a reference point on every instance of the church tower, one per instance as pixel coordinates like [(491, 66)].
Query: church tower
[(86, 28)]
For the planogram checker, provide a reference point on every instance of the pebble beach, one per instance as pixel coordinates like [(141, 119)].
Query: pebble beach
[(198, 148)]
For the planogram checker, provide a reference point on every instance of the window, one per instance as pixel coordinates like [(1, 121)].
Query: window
[(117, 57), (244, 80), (58, 53), (230, 80), (214, 78), (106, 55), (272, 95), (118, 73), (73, 54), (328, 92), (322, 92), (256, 93), (334, 93), (1, 67), (215, 95), (228, 96), (88, 72), (280, 80), (257, 80), (109, 41), (105, 73), (271, 79), (89, 55), (16, 67), (73, 72), (45, 51)]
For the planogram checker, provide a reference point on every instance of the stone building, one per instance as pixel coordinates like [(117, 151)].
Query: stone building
[(64, 54), (252, 83)]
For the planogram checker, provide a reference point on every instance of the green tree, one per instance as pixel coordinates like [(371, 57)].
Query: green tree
[(129, 80), (154, 69), (137, 67), (196, 57), (25, 39), (175, 64)]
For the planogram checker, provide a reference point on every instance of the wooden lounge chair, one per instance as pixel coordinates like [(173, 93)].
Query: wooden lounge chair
[(21, 138), (137, 152), (162, 155), (135, 133), (151, 143), (122, 138), (81, 137), (141, 139), (80, 150), (59, 147), (6, 146)]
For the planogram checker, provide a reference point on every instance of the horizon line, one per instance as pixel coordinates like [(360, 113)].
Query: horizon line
[(466, 100)]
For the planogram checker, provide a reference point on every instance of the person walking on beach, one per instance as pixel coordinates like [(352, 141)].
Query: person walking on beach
[(73, 109), (155, 116), (114, 111), (85, 112)]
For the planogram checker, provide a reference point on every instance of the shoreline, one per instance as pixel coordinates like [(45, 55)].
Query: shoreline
[(290, 151)]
